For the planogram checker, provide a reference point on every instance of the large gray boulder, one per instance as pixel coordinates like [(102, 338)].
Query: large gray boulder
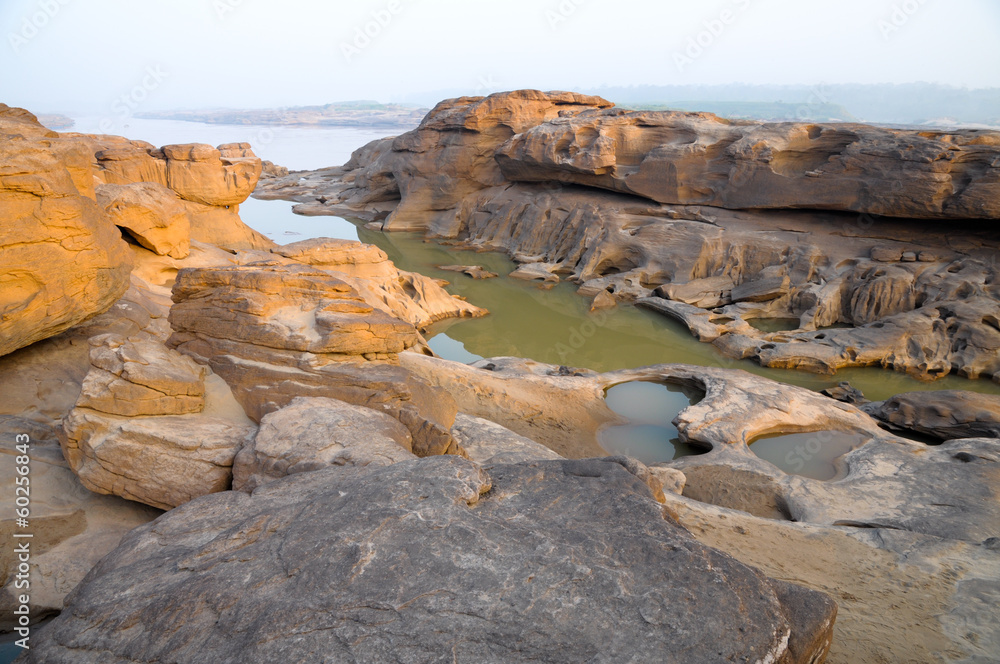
[(432, 560)]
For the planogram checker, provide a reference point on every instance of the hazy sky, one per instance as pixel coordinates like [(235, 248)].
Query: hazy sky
[(83, 55)]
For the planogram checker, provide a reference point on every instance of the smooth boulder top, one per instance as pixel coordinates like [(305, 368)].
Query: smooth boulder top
[(432, 560)]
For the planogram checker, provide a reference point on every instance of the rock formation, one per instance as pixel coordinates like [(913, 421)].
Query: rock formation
[(314, 433), (62, 262), (275, 331), (945, 415), (713, 222), (556, 560), (409, 296), (138, 431), (151, 213)]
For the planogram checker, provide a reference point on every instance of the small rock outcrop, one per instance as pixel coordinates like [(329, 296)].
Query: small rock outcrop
[(151, 213), (946, 414), (409, 296), (138, 431), (569, 561), (276, 331), (313, 433)]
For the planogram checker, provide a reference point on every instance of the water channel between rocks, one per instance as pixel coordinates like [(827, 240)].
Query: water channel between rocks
[(556, 326)]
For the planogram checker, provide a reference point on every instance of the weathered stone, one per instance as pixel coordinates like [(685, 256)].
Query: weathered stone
[(409, 296), (474, 271), (161, 461), (676, 158), (141, 377), (489, 443), (402, 547), (63, 262), (944, 414), (71, 528), (275, 332), (706, 293), (885, 254), (151, 213), (761, 290), (313, 433)]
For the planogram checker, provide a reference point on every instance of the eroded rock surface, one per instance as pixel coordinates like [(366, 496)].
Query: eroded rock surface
[(713, 222), (62, 261), (313, 433), (151, 213), (275, 332), (570, 561), (945, 414), (412, 297)]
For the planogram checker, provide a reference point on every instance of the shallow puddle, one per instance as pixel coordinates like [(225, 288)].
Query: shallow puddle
[(650, 436), (810, 454)]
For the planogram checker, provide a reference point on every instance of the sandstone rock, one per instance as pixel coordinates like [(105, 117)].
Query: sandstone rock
[(408, 296), (275, 332), (211, 176), (222, 227), (151, 213), (474, 271), (72, 528), (761, 290), (603, 300), (415, 537), (885, 254), (161, 461), (63, 262), (944, 414), (271, 170), (706, 293), (141, 377), (314, 433), (675, 158), (543, 272), (845, 392), (489, 443), (672, 479)]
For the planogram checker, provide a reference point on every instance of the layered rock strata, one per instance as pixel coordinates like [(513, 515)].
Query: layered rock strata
[(705, 220), (275, 331)]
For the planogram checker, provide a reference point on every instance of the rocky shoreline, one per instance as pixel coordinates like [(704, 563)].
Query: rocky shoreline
[(247, 452), (712, 222)]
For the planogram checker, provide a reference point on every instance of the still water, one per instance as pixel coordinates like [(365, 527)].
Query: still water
[(650, 435), (556, 325)]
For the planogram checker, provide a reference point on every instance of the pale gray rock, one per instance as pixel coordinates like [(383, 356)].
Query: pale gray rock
[(432, 560), (314, 433)]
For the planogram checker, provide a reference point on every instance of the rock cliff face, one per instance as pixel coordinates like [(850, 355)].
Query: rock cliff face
[(700, 159), (713, 222)]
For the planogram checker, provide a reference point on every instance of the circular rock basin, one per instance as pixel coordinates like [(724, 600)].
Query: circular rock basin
[(810, 454), (649, 436)]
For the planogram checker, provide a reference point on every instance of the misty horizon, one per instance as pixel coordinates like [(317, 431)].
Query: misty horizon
[(245, 54)]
